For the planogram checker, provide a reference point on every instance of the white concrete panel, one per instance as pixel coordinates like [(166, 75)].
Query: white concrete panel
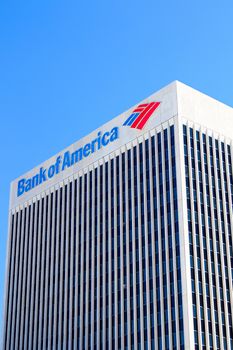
[(204, 110)]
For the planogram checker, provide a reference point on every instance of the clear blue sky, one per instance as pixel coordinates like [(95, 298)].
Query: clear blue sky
[(67, 67)]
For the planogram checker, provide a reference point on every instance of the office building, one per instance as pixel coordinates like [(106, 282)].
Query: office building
[(124, 239)]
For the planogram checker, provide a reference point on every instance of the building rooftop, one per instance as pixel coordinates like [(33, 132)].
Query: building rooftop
[(177, 102)]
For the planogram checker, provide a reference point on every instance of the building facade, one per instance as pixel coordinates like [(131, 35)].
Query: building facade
[(124, 239)]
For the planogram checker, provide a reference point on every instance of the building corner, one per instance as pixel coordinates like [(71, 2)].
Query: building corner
[(183, 229)]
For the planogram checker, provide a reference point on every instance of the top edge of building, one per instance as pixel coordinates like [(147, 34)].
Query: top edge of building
[(175, 100)]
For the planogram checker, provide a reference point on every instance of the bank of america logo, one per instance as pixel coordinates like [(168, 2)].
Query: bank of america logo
[(141, 115)]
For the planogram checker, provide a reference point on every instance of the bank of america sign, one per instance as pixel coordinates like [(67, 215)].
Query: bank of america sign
[(141, 115)]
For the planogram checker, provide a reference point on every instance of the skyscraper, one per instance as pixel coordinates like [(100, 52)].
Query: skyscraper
[(124, 239)]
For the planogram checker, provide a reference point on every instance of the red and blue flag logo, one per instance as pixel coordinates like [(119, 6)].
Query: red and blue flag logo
[(141, 115)]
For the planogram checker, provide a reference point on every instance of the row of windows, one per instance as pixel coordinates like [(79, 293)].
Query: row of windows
[(98, 258), (209, 237)]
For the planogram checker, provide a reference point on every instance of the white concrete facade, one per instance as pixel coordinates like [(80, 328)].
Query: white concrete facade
[(64, 246)]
